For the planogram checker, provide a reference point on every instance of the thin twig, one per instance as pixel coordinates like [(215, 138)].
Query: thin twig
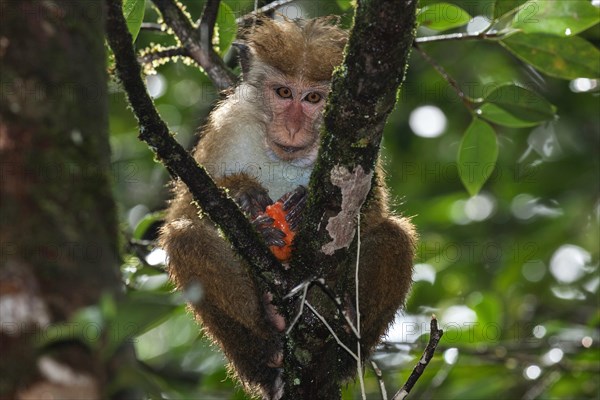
[(330, 329), (320, 283), (356, 281), (434, 339), (460, 36), (263, 10), (152, 26), (361, 378), (438, 380), (469, 102), (199, 49), (301, 310), (336, 300), (379, 376), (214, 201)]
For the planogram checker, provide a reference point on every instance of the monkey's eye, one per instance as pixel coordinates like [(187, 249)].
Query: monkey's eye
[(313, 97), (284, 92)]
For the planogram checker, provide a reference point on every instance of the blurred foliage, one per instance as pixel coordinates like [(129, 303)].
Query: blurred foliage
[(511, 270)]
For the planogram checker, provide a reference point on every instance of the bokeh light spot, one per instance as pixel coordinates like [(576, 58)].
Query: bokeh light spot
[(157, 85), (428, 121), (568, 263), (532, 372)]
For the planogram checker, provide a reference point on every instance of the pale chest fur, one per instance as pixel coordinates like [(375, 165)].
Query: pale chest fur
[(250, 155)]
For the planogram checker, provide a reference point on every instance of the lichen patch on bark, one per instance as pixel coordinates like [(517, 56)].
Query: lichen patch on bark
[(354, 186)]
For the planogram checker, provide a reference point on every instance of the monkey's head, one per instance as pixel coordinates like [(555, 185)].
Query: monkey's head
[(290, 64)]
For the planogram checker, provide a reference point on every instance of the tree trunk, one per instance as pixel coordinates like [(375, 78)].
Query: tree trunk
[(59, 238)]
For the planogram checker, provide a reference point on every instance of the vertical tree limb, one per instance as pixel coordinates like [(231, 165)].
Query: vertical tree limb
[(208, 21), (363, 94)]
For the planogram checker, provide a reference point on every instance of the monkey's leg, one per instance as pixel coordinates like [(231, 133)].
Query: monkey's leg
[(252, 357), (198, 255), (231, 308), (385, 275)]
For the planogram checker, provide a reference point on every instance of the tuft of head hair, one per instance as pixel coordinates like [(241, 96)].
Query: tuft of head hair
[(309, 49)]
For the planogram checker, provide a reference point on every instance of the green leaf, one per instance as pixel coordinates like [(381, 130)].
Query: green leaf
[(147, 222), (140, 312), (442, 16), (503, 7), (133, 10), (489, 314), (514, 106), (565, 58), (85, 326), (556, 17), (345, 4), (227, 27), (497, 115), (477, 155)]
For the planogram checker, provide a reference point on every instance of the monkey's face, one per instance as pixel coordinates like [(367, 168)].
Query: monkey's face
[(295, 109)]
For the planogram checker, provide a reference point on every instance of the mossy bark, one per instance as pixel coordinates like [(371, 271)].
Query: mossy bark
[(59, 238), (363, 94)]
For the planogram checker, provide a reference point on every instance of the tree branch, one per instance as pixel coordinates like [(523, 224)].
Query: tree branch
[(363, 94), (206, 27), (212, 199), (434, 339), (151, 56), (198, 46)]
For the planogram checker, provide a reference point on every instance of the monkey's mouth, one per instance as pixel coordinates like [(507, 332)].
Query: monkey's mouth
[(289, 149)]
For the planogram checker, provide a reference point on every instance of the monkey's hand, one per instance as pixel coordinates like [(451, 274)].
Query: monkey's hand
[(294, 203), (272, 235), (253, 201), (275, 225), (280, 220)]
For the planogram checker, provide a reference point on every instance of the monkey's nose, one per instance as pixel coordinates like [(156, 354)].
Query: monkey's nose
[(293, 119), (293, 127)]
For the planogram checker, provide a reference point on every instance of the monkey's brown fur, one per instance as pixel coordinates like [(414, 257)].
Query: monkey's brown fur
[(319, 43), (232, 310)]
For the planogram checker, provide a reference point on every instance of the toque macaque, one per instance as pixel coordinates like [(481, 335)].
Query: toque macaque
[(261, 143)]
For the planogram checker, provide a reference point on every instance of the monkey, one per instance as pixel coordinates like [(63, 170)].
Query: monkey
[(260, 143)]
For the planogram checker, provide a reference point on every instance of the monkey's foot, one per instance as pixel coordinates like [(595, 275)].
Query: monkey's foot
[(273, 315), (276, 361)]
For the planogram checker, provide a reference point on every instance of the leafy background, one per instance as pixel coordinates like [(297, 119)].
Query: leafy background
[(502, 183)]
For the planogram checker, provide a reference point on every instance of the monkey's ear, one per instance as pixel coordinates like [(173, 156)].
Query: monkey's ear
[(245, 56)]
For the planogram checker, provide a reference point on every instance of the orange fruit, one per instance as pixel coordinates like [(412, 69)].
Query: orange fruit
[(276, 212)]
